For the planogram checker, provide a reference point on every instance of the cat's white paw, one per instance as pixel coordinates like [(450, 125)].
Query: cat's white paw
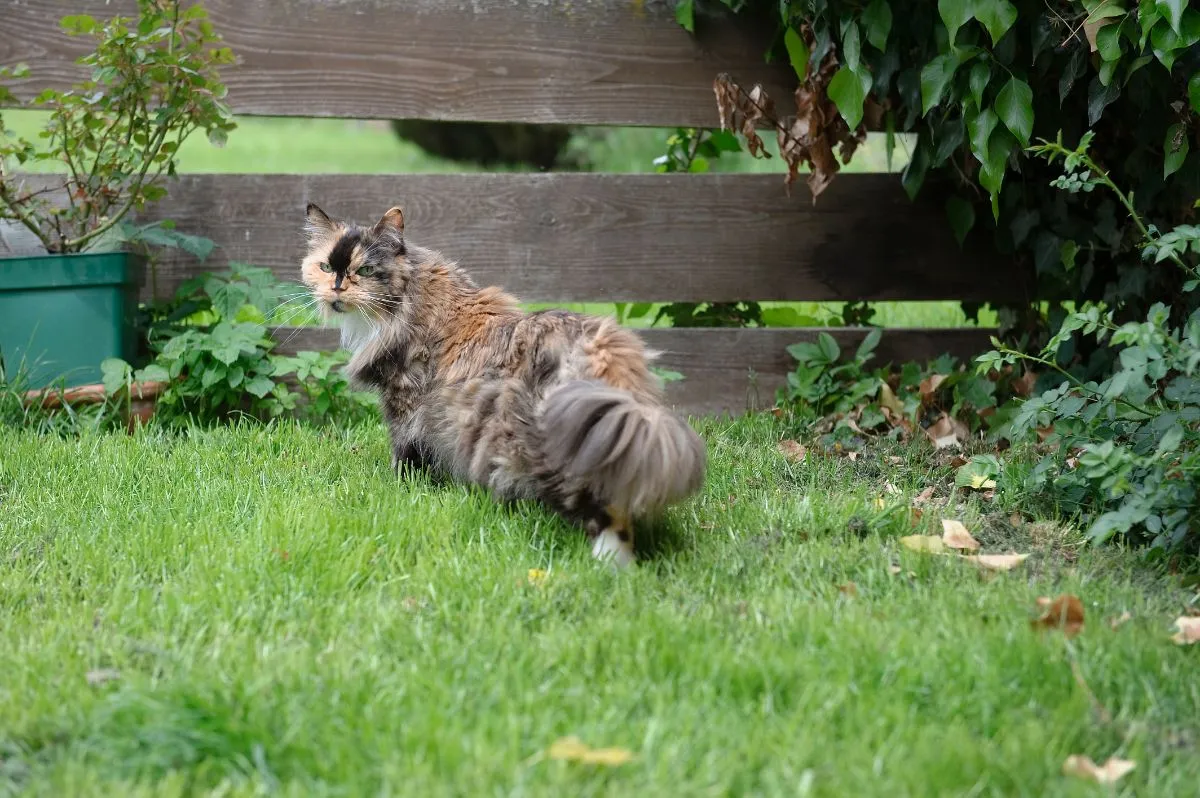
[(609, 546)]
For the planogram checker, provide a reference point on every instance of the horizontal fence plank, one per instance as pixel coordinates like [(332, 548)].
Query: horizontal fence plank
[(730, 371), (592, 62), (591, 237)]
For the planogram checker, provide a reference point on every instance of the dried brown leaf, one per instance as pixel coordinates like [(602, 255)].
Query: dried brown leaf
[(927, 543), (894, 569), (997, 562), (848, 588), (1189, 631), (793, 451), (929, 386), (956, 536), (924, 496), (852, 455), (895, 459), (1119, 619), (1109, 773), (943, 433), (572, 749), (1064, 612), (1024, 385), (889, 400)]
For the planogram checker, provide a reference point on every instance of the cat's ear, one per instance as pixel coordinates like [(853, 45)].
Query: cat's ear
[(392, 222), (316, 222)]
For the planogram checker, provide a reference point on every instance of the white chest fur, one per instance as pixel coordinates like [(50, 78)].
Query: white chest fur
[(357, 331)]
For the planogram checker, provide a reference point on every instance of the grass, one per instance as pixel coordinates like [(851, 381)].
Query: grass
[(283, 615)]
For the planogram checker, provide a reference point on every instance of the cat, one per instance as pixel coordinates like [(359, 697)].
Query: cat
[(554, 406)]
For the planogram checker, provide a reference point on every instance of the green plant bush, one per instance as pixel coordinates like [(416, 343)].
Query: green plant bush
[(1124, 450), (961, 74), (212, 347), (154, 81)]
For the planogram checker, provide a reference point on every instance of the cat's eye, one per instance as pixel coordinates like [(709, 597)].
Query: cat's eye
[(325, 267), (366, 270)]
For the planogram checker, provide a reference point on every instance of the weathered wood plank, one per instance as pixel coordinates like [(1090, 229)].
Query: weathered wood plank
[(586, 237), (732, 371), (604, 62)]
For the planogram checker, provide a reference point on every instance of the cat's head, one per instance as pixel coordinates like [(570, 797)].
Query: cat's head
[(352, 268)]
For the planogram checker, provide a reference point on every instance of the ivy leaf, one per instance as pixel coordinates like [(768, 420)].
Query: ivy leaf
[(1014, 105), (1175, 149), (978, 79), (991, 176), (997, 16), (685, 15), (918, 165), (797, 52), (1108, 42), (935, 77), (979, 128), (955, 14), (962, 217), (851, 46), (877, 18), (1172, 10), (1194, 91), (848, 90)]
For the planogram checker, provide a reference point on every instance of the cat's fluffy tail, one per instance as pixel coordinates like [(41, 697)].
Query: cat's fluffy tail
[(635, 457)]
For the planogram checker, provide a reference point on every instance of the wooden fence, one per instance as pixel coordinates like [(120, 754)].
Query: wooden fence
[(555, 237)]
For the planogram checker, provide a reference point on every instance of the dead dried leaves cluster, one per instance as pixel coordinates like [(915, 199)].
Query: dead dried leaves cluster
[(806, 137), (956, 537)]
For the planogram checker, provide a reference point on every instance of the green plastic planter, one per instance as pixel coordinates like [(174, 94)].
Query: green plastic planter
[(60, 315)]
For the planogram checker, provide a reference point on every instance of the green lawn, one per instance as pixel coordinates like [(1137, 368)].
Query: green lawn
[(269, 610)]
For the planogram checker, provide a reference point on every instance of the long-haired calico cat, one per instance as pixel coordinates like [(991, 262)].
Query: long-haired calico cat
[(554, 406)]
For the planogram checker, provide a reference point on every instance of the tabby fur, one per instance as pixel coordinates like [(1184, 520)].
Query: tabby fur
[(555, 406)]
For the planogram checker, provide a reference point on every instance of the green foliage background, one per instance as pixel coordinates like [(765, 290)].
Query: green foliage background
[(977, 81)]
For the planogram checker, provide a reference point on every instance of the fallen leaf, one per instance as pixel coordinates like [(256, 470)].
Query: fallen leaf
[(923, 496), (890, 488), (929, 386), (793, 451), (895, 459), (283, 554), (958, 462), (887, 398), (849, 589), (917, 512), (997, 562), (929, 543), (1108, 773), (536, 577), (1044, 432), (1120, 619), (894, 569), (1024, 386), (956, 536), (853, 455), (102, 676), (1064, 612), (572, 749), (1189, 631)]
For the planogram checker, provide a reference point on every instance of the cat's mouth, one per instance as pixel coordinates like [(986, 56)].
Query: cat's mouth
[(338, 306)]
